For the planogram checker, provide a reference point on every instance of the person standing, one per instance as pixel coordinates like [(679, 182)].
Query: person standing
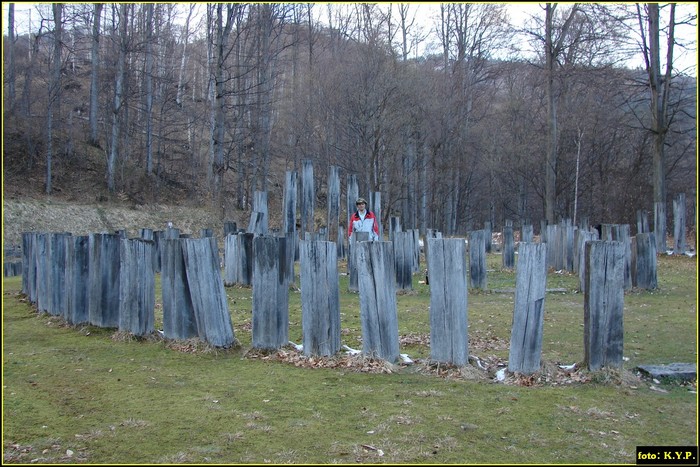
[(363, 221)]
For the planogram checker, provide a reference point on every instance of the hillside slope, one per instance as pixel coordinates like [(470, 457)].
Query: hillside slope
[(47, 215)]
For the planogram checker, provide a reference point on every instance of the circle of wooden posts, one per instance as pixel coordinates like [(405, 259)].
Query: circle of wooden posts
[(108, 281)]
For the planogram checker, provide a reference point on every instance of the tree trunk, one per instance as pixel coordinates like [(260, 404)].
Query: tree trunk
[(118, 97), (149, 88), (11, 56), (54, 90), (94, 58)]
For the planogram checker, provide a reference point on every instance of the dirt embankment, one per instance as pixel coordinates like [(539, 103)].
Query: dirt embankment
[(58, 216)]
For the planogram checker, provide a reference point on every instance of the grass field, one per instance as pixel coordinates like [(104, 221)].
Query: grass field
[(90, 395)]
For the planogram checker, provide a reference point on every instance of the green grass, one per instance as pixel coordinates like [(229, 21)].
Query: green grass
[(90, 395)]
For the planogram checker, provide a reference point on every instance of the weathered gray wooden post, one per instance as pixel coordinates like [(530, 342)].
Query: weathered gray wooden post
[(290, 243), (447, 264), (259, 216), (76, 295), (551, 240), (29, 266), (527, 233), (477, 259), (158, 237), (320, 298), (207, 291), (353, 244), (621, 233), (43, 275), (230, 227), (136, 287), (308, 196), (415, 246), (238, 255), (528, 312), (508, 253), (543, 231), (57, 272), (380, 328), (270, 293), (644, 261), (353, 192), (403, 260), (488, 236), (679, 224), (583, 237), (660, 226), (566, 237), (375, 205), (642, 221), (104, 279), (333, 202), (179, 320), (430, 233), (394, 226), (171, 232), (603, 304), (289, 213), (149, 234), (256, 224)]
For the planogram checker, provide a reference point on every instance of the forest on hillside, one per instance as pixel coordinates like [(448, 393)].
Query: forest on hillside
[(492, 122)]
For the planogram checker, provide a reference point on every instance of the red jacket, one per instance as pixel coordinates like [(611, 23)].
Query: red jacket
[(369, 224)]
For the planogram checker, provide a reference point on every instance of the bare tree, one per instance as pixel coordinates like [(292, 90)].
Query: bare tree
[(119, 98), (659, 90), (11, 57), (95, 72), (54, 91), (148, 78)]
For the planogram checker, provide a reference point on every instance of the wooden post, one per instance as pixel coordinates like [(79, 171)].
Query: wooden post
[(660, 226), (603, 304), (415, 249), (394, 226), (380, 329), (230, 227), (621, 233), (76, 295), (403, 260), (679, 225), (333, 219), (355, 239), (447, 264), (642, 221), (320, 298), (644, 261), (375, 205), (136, 287), (508, 253), (488, 237), (29, 266), (42, 272), (179, 320), (477, 259), (527, 234), (430, 233), (583, 237), (207, 291), (551, 241), (353, 192), (528, 312), (307, 197), (270, 293), (104, 279), (57, 272)]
